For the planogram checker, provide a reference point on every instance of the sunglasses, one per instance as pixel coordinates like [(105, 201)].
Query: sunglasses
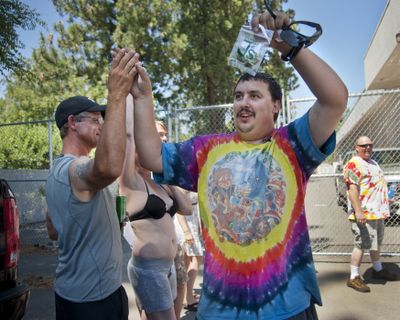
[(294, 38), (365, 145)]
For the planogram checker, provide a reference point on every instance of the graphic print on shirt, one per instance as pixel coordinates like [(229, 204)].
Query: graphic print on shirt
[(246, 193)]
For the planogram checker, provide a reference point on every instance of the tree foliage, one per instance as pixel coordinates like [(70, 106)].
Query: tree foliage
[(13, 15), (26, 147), (183, 44)]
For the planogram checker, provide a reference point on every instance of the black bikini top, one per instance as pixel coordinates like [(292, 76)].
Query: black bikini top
[(155, 207)]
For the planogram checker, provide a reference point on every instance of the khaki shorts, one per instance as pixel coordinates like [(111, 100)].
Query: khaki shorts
[(368, 236)]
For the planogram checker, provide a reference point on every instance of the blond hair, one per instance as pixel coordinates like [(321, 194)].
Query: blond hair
[(161, 124)]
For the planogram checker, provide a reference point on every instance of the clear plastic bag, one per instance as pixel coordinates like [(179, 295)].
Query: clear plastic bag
[(250, 48)]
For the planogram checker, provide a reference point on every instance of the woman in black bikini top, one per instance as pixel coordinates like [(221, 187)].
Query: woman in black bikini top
[(150, 208), (155, 207)]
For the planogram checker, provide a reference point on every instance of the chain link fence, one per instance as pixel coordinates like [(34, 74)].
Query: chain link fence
[(372, 113), (29, 189)]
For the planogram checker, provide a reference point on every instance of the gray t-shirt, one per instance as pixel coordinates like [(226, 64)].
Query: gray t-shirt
[(90, 250)]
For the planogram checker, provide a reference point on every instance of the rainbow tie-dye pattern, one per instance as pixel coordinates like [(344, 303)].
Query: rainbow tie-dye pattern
[(258, 259), (373, 188)]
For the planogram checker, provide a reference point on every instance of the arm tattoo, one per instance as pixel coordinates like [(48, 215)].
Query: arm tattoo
[(81, 171)]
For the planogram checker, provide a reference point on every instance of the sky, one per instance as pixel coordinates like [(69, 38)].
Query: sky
[(348, 28)]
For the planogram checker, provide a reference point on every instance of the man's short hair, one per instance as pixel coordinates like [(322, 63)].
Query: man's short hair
[(273, 86), (64, 130)]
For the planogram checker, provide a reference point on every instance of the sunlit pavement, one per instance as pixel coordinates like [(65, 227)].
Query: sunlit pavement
[(340, 302)]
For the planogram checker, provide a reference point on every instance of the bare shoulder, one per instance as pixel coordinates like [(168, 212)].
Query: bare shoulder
[(169, 189), (80, 174), (132, 180), (175, 190)]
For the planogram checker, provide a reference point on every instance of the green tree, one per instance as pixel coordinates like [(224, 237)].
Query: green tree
[(184, 46), (54, 74), (65, 64), (185, 53), (13, 15), (72, 61), (26, 147), (88, 37)]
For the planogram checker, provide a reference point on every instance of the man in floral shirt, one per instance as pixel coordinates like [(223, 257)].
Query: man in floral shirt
[(368, 207)]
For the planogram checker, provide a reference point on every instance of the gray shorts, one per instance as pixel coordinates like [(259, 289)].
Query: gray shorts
[(368, 236), (154, 283)]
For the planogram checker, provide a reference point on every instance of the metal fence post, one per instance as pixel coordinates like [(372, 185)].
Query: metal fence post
[(176, 125), (50, 136), (169, 123), (285, 106)]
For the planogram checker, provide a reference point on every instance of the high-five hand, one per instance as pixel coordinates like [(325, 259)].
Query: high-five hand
[(122, 71), (141, 87)]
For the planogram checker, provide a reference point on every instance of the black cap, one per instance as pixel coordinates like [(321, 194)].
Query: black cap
[(74, 106)]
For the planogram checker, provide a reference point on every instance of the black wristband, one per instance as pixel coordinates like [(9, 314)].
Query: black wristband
[(291, 54)]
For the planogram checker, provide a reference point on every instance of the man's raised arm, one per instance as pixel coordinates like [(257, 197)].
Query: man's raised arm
[(328, 88), (94, 174), (325, 84)]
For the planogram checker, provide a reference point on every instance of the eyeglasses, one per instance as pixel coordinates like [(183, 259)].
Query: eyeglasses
[(294, 38), (98, 121), (365, 145)]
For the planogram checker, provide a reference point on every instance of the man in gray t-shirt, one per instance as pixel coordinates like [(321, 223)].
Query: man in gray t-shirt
[(81, 206)]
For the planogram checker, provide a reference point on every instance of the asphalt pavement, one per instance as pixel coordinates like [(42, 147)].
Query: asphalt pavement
[(37, 268)]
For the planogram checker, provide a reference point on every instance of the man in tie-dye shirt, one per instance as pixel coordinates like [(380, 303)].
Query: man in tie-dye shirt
[(251, 186), (368, 206)]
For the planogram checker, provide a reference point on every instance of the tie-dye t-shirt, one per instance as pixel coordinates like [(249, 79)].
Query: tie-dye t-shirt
[(258, 260), (368, 176)]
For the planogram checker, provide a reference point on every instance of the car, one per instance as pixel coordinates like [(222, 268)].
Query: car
[(14, 295), (389, 161)]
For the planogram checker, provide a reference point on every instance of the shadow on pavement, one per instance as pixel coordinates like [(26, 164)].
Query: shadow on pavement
[(392, 267)]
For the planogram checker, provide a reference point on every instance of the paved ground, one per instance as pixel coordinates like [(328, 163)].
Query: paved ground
[(343, 303), (340, 303), (37, 268)]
